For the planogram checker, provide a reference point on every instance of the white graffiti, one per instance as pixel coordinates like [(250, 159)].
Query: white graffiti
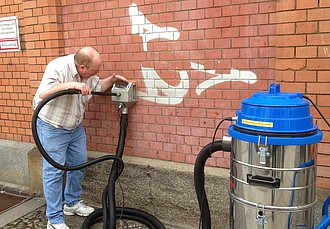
[(148, 31), (155, 84), (159, 91), (234, 75)]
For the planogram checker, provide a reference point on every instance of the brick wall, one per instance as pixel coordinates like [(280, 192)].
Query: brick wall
[(193, 62), (302, 62), (178, 107), (15, 100)]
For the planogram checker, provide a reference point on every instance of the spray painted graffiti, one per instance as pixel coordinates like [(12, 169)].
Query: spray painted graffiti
[(148, 31), (157, 90), (234, 75), (173, 94)]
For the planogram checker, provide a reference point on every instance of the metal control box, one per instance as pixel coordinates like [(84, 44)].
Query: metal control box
[(125, 93)]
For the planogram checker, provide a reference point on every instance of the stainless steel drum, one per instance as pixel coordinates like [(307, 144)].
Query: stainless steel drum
[(279, 193), (273, 163)]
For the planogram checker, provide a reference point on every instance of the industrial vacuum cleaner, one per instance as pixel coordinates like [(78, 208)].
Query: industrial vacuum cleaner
[(273, 145)]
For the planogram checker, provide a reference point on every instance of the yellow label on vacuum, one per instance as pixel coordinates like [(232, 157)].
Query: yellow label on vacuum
[(257, 123)]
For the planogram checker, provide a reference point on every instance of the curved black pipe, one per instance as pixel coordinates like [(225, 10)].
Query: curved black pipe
[(109, 211), (111, 201), (45, 154), (126, 213), (199, 181)]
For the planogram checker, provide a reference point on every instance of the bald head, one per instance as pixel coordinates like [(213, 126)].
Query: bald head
[(88, 61), (86, 56)]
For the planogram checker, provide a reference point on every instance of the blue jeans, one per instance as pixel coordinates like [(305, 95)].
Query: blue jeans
[(65, 147)]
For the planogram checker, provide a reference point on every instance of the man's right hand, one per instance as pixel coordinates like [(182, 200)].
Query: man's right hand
[(85, 90)]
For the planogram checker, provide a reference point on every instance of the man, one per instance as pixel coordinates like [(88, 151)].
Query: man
[(60, 130)]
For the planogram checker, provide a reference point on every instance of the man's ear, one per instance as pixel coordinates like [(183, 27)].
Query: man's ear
[(82, 67)]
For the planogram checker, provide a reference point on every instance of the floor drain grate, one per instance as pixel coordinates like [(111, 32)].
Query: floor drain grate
[(9, 201)]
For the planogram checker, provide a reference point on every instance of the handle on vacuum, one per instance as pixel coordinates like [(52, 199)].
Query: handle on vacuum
[(265, 181)]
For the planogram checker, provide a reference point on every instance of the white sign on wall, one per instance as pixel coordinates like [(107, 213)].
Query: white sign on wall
[(9, 34)]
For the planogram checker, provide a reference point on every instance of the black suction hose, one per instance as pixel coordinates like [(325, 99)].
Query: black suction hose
[(109, 212), (114, 175), (199, 181), (45, 154)]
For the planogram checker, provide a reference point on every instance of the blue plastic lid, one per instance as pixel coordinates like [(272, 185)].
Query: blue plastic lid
[(275, 118), (275, 111)]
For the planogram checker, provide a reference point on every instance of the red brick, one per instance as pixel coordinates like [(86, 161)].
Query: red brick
[(291, 40), (318, 39), (230, 10), (267, 7), (181, 16), (323, 76), (318, 64), (323, 171), (197, 14), (214, 12), (259, 63), (248, 31), (318, 88), (306, 76), (213, 54), (287, 28), (291, 16), (240, 20), (29, 4), (267, 52), (189, 25), (323, 182), (248, 53), (222, 22), (258, 41), (323, 148), (212, 33), (319, 14), (259, 19), (166, 17), (324, 3), (173, 6), (307, 4), (249, 9), (295, 64), (189, 4), (222, 2), (306, 27), (324, 26), (230, 32), (204, 4), (205, 23), (205, 44), (195, 34), (240, 42), (267, 30), (323, 100), (306, 52), (118, 12), (285, 76)]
